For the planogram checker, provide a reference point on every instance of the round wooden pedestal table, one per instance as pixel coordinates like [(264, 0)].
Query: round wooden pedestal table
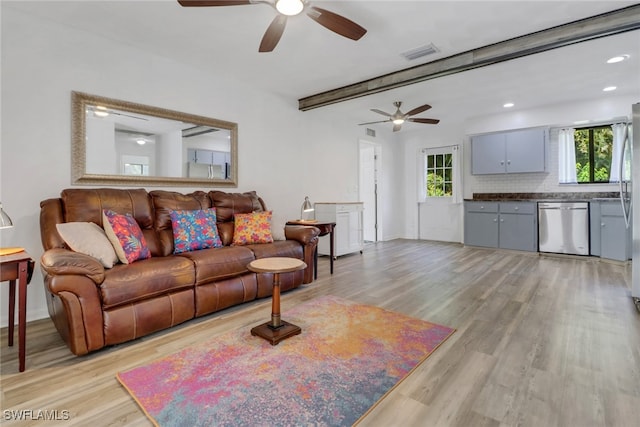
[(277, 329)]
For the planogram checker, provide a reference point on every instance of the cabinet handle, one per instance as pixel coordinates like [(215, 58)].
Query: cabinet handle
[(481, 207), (508, 162), (602, 224), (495, 220), (501, 220), (516, 208), (502, 163)]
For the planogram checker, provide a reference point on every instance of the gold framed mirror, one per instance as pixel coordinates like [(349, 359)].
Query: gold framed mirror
[(117, 142)]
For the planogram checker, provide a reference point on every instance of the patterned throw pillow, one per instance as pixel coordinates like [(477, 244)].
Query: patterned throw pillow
[(126, 236), (194, 229), (252, 228)]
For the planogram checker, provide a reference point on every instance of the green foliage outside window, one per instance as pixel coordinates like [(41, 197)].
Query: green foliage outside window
[(439, 175), (594, 147)]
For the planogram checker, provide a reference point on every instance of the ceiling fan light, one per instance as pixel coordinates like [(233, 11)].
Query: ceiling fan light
[(289, 7), (398, 121)]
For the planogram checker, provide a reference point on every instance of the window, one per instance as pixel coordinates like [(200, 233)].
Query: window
[(594, 148), (439, 174), (136, 169)]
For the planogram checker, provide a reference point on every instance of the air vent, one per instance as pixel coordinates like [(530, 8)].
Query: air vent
[(419, 52), (371, 132)]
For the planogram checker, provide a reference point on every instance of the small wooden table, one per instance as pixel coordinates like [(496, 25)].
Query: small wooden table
[(277, 329), (17, 266), (325, 228)]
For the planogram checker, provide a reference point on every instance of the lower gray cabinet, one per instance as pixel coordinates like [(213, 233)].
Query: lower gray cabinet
[(506, 225), (481, 224), (610, 237)]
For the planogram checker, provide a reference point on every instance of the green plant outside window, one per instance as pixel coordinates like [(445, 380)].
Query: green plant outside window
[(439, 175), (594, 148)]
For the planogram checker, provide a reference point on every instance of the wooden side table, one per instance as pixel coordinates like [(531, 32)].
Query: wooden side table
[(277, 329), (17, 266), (325, 228)]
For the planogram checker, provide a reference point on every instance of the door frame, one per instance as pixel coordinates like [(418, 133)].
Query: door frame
[(377, 161)]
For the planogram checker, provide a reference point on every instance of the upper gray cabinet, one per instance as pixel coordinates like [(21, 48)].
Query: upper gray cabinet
[(516, 151)]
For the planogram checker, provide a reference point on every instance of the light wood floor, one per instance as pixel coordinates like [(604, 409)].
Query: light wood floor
[(540, 341)]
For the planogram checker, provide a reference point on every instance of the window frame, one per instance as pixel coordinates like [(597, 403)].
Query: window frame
[(591, 153), (453, 181)]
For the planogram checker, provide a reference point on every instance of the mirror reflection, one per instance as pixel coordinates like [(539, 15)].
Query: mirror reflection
[(120, 142)]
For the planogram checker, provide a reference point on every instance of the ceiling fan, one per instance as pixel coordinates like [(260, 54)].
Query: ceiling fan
[(285, 8), (398, 118)]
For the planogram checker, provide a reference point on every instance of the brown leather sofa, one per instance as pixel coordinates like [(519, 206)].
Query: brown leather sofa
[(93, 306)]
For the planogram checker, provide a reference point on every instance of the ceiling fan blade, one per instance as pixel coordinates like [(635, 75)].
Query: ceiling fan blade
[(418, 110), (192, 3), (396, 128), (380, 112), (371, 123), (272, 35), (336, 23), (425, 121)]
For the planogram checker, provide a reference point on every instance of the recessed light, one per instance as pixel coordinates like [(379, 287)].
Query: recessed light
[(609, 88), (618, 58), (508, 105), (581, 122)]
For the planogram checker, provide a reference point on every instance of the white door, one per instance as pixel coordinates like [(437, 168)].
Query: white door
[(369, 189)]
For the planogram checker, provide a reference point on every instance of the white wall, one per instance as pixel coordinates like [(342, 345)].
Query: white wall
[(43, 62)]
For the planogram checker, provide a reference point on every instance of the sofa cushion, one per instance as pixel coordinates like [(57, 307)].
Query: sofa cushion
[(228, 205), (252, 228), (80, 204), (89, 239), (219, 263), (126, 284), (194, 230), (126, 237), (166, 201)]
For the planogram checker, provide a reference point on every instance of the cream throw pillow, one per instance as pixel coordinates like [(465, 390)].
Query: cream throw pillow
[(89, 239)]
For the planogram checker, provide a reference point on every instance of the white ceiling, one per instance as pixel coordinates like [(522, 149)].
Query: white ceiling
[(310, 59)]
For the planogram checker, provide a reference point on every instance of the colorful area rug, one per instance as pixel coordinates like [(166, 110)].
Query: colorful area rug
[(347, 358)]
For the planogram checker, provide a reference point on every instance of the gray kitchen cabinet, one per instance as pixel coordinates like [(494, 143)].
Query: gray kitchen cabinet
[(517, 151), (505, 225), (481, 224), (609, 232), (518, 226), (200, 156)]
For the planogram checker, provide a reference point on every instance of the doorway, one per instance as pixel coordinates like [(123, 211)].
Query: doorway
[(369, 189)]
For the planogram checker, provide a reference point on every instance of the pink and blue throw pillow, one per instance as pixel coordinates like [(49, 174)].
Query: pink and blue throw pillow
[(125, 235), (194, 229)]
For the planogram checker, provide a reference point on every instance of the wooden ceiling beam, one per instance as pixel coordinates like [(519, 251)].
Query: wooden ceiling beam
[(604, 25)]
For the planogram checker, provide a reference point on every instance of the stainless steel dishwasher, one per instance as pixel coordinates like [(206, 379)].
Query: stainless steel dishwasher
[(563, 227)]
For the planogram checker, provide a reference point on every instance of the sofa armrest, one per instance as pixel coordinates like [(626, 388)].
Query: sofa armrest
[(58, 261), (302, 233)]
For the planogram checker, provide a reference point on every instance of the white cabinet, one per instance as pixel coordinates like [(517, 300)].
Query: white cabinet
[(516, 151), (348, 230)]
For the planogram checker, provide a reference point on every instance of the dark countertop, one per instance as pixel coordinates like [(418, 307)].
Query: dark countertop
[(545, 197)]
